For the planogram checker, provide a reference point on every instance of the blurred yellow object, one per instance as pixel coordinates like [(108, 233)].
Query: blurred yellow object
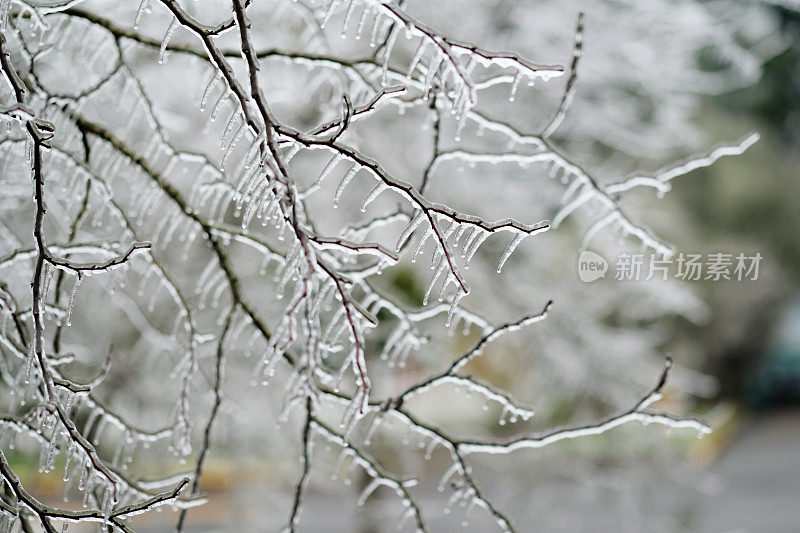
[(724, 420)]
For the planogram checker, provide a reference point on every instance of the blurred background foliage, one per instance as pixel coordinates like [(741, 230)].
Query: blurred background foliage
[(754, 202)]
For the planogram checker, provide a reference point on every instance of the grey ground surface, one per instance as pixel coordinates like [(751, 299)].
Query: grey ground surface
[(758, 480), (753, 486)]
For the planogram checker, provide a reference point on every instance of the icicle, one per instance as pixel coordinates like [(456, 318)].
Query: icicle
[(290, 153), (453, 305), (107, 506), (84, 472), (322, 295), (412, 225), (165, 41), (387, 52), (28, 370), (68, 457), (449, 278), (345, 180), (447, 476), (331, 7), (270, 208), (246, 183), (204, 277), (171, 231), (510, 250), (4, 8), (43, 457), (236, 138), (433, 68), (461, 230), (229, 128), (129, 454), (429, 449), (373, 194), (347, 17), (28, 149), (474, 233), (339, 464), (218, 106), (89, 421), (451, 227), (329, 167), (215, 300), (288, 272), (376, 24), (101, 424), (123, 443), (514, 86), (437, 251), (340, 373), (144, 7), (407, 515), (247, 168), (439, 270), (475, 245), (362, 21), (88, 489), (368, 490), (421, 245), (503, 415), (373, 427), (207, 91), (52, 451), (421, 49), (253, 202), (190, 237), (351, 414), (71, 304)]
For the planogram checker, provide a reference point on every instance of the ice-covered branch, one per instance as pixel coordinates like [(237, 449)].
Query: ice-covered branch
[(445, 62), (237, 246), (294, 517), (375, 472), (219, 365), (11, 75), (569, 89), (38, 140), (660, 180), (47, 514), (637, 413), (489, 336), (102, 266)]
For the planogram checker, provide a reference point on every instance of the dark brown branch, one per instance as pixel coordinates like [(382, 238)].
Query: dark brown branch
[(11, 72), (219, 367), (569, 89), (303, 481)]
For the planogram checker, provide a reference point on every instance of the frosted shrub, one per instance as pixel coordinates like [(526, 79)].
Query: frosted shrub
[(191, 215)]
